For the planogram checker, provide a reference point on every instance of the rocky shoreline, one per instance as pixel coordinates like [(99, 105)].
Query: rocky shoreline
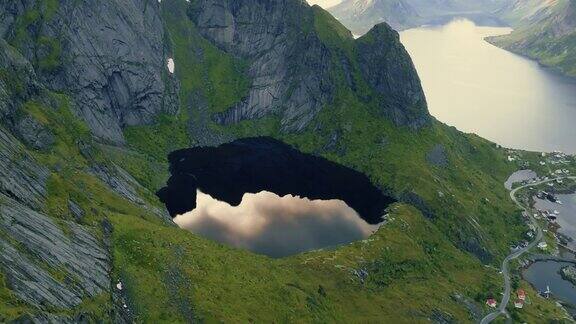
[(568, 273)]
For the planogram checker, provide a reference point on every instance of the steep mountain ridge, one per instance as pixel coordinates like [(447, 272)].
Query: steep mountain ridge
[(290, 66), (115, 72), (517, 11)]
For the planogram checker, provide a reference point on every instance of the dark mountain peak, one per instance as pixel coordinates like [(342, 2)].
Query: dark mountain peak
[(385, 64), (294, 50), (380, 32)]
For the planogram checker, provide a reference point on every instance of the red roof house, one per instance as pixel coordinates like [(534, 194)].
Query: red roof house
[(491, 302), (521, 294)]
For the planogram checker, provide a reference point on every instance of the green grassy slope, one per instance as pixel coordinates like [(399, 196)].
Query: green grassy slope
[(404, 260), (465, 200), (412, 274)]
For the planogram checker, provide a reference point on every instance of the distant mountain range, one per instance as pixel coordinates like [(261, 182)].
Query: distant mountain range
[(544, 31), (360, 15), (524, 11)]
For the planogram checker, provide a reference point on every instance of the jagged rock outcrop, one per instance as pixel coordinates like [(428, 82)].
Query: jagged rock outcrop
[(31, 243), (387, 67), (292, 67), (47, 264), (289, 65), (21, 177), (123, 184), (109, 57), (17, 80), (32, 133), (18, 84), (438, 156)]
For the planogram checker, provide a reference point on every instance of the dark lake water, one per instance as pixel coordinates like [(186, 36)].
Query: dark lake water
[(543, 274), (479, 88), (263, 195)]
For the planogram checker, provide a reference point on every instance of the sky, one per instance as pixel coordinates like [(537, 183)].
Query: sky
[(324, 3)]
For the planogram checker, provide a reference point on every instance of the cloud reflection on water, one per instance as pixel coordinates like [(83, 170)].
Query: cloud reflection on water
[(276, 226)]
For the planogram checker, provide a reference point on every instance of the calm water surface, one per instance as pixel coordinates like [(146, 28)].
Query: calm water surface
[(482, 89), (276, 226), (542, 274)]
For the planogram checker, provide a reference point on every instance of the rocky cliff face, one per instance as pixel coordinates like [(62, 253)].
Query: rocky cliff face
[(42, 244), (289, 66), (109, 56), (113, 60), (32, 243), (385, 64), (292, 68), (51, 259), (20, 178)]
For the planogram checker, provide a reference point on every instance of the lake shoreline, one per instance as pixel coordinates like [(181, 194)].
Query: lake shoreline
[(549, 68), (543, 271)]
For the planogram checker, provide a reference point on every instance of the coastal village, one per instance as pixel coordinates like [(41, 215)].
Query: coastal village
[(541, 181), (518, 303)]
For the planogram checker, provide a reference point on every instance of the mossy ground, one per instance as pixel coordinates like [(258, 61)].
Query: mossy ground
[(407, 260)]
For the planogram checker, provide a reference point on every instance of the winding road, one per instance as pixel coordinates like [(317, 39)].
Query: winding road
[(501, 310)]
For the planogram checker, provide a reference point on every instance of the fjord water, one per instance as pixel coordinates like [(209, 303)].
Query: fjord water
[(482, 89)]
